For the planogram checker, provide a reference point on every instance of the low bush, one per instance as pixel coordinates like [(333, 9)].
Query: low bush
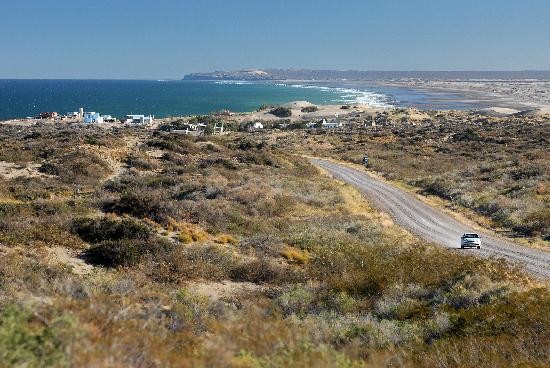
[(78, 167), (140, 162), (281, 112), (126, 252), (309, 109), (262, 270), (140, 205), (27, 340), (295, 255), (207, 262), (96, 230)]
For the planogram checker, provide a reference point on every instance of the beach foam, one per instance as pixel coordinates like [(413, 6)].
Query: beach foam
[(237, 82), (352, 95)]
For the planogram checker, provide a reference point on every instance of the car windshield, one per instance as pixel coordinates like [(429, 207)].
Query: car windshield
[(471, 236)]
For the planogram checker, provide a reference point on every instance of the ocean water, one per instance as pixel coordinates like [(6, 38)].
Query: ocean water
[(22, 98)]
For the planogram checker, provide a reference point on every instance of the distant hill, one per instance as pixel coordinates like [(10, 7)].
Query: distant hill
[(234, 75), (307, 74)]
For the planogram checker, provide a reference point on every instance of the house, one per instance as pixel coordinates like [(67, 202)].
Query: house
[(218, 128), (331, 124), (108, 119), (138, 119), (257, 125), (311, 125), (47, 115), (92, 118)]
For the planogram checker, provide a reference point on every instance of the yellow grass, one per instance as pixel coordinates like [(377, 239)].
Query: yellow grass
[(295, 255)]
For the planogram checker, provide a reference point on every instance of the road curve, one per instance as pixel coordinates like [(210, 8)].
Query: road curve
[(433, 224)]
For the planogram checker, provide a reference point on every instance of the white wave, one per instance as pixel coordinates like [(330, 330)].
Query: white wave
[(351, 95), (237, 82)]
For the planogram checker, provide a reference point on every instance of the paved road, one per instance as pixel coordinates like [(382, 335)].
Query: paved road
[(433, 224)]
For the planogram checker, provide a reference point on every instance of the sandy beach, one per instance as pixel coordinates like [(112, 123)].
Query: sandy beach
[(518, 95)]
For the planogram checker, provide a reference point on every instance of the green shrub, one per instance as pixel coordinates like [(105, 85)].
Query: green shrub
[(281, 112), (208, 262), (140, 205), (77, 167), (127, 252), (440, 188), (140, 162), (310, 109), (259, 271), (96, 230), (28, 341)]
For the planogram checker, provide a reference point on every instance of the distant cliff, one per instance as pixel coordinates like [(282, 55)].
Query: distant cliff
[(320, 75), (235, 75)]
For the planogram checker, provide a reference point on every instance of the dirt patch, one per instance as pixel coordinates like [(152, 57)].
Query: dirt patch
[(155, 153), (9, 170), (66, 257), (223, 289)]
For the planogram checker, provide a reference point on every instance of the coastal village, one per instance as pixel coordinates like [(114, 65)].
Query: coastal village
[(89, 117), (289, 116)]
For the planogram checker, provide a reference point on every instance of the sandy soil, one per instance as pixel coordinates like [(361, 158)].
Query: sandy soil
[(513, 94), (9, 170), (69, 258), (223, 289), (324, 112)]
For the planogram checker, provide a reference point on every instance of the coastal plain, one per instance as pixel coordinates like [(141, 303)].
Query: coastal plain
[(147, 246)]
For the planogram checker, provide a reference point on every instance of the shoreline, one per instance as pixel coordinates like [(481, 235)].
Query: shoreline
[(493, 96)]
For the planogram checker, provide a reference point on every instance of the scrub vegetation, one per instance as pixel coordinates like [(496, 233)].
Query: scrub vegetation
[(145, 248), (497, 169)]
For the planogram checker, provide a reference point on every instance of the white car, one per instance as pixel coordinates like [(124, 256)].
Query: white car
[(470, 241)]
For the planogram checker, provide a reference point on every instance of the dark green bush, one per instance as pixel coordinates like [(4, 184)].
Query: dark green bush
[(105, 229), (262, 270), (441, 189), (281, 112), (29, 341), (310, 109), (126, 252), (140, 205)]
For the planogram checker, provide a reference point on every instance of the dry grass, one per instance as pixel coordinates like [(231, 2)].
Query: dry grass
[(330, 282), (499, 183)]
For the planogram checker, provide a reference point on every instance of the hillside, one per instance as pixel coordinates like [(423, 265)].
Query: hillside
[(234, 75), (135, 247)]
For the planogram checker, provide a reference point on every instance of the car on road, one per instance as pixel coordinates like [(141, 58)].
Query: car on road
[(470, 240)]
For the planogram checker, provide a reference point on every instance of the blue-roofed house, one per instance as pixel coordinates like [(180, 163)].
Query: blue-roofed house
[(92, 118)]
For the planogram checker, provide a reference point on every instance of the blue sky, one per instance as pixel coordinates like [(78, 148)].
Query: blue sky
[(153, 39)]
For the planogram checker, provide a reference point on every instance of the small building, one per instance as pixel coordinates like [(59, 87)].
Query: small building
[(92, 118), (257, 125), (218, 128), (108, 119), (311, 125), (47, 115), (139, 119), (330, 125)]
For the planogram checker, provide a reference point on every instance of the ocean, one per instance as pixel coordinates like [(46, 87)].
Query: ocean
[(24, 98)]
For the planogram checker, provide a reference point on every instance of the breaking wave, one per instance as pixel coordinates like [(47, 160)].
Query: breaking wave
[(238, 82), (351, 95)]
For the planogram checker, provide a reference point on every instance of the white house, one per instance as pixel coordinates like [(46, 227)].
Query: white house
[(331, 124), (258, 125), (139, 119), (92, 118)]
